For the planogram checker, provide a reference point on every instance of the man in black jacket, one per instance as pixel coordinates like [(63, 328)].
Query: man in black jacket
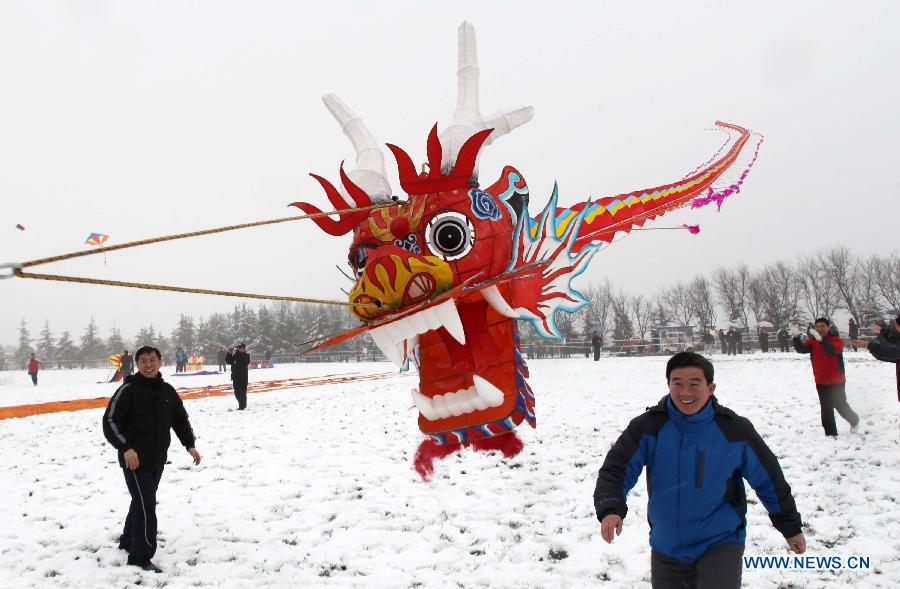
[(137, 423), (239, 360), (885, 346)]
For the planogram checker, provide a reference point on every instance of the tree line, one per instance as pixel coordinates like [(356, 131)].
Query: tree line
[(783, 293)]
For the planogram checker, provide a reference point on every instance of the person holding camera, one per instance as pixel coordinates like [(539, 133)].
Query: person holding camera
[(885, 346), (239, 360), (826, 354)]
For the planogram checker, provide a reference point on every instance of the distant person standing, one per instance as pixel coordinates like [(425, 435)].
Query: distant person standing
[(764, 341), (126, 366), (596, 345), (220, 356), (825, 351), (783, 339), (733, 338), (137, 423), (180, 360), (723, 341), (853, 333), (268, 358), (239, 360), (33, 366), (885, 346)]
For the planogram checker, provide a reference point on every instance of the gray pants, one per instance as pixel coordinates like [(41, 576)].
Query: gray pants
[(719, 568)]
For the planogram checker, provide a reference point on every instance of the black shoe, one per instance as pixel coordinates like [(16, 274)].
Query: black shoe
[(147, 566), (123, 543)]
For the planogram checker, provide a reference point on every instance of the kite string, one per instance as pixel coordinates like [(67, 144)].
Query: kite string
[(16, 268), (130, 244)]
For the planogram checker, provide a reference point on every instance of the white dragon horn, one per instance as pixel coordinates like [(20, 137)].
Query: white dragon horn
[(467, 119), (369, 174)]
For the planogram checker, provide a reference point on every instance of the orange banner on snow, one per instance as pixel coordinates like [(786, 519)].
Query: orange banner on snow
[(191, 393)]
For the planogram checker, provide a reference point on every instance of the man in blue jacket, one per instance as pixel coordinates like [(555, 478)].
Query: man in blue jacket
[(697, 454)]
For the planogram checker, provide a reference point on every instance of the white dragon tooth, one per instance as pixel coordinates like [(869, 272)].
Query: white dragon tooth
[(464, 398), (387, 345), (418, 323), (491, 394), (492, 295), (475, 399), (431, 318), (395, 332), (423, 404), (451, 402), (440, 408), (449, 317)]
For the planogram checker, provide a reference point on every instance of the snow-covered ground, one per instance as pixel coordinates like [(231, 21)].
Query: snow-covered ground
[(313, 487)]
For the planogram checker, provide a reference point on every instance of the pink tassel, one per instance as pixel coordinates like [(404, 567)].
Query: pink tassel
[(694, 229)]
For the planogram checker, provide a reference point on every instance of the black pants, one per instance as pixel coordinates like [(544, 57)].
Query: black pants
[(139, 534), (596, 353), (33, 377), (240, 393), (831, 397), (222, 367), (719, 568)]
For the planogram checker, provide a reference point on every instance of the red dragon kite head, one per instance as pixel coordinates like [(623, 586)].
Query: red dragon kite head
[(443, 276)]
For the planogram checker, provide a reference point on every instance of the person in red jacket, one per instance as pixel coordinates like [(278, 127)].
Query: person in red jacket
[(825, 351), (33, 366)]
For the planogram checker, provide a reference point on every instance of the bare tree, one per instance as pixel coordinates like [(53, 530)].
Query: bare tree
[(731, 289), (780, 302), (756, 294), (703, 302), (624, 328), (642, 313), (886, 273), (843, 268), (598, 313), (816, 291), (677, 300)]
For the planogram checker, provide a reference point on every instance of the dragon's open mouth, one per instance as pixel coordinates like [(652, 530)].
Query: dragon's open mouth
[(399, 338)]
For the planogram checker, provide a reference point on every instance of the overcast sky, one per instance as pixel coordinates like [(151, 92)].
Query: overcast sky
[(139, 119)]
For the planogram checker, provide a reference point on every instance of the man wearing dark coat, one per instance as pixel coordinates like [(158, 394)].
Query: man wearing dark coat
[(783, 339), (137, 423), (220, 356), (126, 366), (597, 345), (853, 332), (239, 360), (885, 346), (764, 341)]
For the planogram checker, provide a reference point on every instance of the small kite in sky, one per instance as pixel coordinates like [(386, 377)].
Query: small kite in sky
[(97, 239), (20, 227)]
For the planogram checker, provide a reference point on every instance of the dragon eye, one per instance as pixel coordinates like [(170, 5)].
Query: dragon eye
[(358, 260), (450, 236)]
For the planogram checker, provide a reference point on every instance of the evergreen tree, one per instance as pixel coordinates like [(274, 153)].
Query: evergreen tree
[(184, 335), (216, 335), (46, 347), (92, 347), (2, 358), (66, 352), (23, 353), (265, 339), (115, 344)]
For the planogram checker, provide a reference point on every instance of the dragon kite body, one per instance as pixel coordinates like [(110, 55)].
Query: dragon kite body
[(443, 276)]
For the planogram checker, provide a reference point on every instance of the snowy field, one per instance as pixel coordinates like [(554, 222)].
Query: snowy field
[(313, 487)]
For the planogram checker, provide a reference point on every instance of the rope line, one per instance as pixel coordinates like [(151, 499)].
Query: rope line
[(225, 293), (17, 268), (120, 246)]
